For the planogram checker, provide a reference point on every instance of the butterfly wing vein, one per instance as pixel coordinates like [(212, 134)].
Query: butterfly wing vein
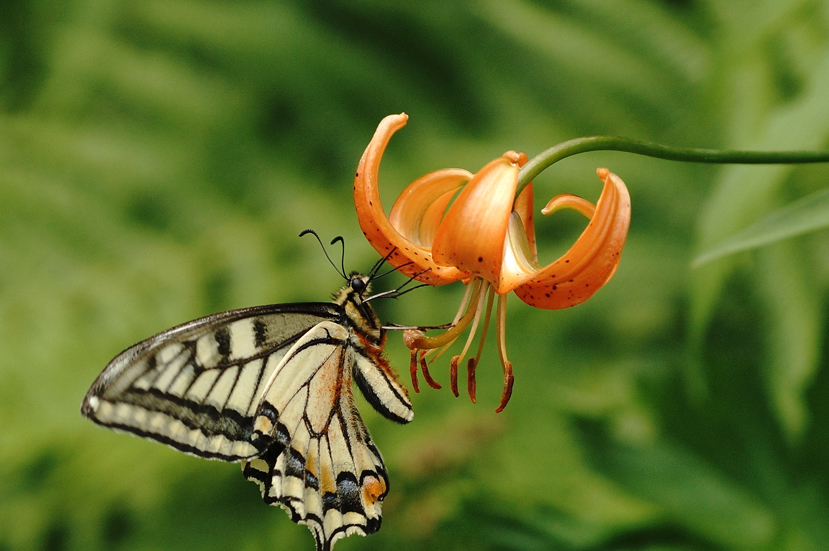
[(269, 386)]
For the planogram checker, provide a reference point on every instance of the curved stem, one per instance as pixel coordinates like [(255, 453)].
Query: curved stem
[(537, 164)]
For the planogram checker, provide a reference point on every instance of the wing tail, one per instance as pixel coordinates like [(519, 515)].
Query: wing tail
[(327, 474)]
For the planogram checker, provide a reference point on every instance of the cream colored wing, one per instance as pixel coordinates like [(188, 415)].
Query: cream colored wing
[(319, 462), (197, 387)]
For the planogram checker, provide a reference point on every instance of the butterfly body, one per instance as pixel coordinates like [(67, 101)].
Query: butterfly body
[(270, 386)]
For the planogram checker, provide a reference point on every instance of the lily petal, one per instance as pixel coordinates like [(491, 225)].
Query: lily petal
[(471, 236), (569, 201), (592, 260), (524, 207), (418, 211), (519, 265), (405, 255), (520, 258)]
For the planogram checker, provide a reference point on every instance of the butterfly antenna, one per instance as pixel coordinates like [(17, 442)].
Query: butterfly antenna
[(342, 255), (312, 232)]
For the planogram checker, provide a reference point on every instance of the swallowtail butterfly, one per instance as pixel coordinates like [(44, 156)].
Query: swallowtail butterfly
[(271, 387)]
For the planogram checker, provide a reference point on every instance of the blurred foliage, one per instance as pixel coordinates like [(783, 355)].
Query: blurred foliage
[(158, 159), (805, 215)]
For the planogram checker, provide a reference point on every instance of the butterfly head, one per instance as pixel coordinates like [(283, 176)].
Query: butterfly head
[(359, 283), (352, 298)]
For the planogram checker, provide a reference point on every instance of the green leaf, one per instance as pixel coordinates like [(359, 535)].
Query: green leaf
[(689, 490), (793, 335), (809, 214), (744, 193)]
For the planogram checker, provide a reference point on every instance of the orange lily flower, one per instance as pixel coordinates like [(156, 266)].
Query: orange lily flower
[(485, 239)]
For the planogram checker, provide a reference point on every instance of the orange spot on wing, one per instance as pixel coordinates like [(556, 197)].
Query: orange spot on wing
[(373, 490)]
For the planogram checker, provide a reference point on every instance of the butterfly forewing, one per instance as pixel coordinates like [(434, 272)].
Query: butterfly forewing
[(196, 387), (271, 386)]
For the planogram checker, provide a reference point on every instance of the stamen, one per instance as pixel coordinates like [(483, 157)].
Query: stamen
[(415, 339), (470, 379), (508, 380), (501, 314), (464, 302), (426, 375), (413, 370), (439, 352), (501, 331), (477, 310), (472, 306), (486, 325), (486, 292)]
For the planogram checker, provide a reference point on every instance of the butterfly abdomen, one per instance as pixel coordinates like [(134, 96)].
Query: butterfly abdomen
[(271, 386)]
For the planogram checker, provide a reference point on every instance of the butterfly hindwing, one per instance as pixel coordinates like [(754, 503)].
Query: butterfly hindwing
[(270, 386), (321, 464)]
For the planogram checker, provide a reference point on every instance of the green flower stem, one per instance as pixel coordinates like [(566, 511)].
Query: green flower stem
[(537, 164)]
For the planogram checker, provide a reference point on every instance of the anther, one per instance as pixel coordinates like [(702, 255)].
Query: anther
[(426, 375)]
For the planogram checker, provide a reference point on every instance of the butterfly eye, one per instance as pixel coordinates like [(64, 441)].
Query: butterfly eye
[(358, 284)]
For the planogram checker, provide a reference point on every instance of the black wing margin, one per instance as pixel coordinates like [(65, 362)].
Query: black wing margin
[(196, 387), (321, 464)]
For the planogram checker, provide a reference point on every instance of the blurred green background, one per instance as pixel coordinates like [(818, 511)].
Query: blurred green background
[(158, 159)]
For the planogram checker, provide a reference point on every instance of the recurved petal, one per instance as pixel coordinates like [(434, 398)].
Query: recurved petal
[(519, 265), (569, 201), (408, 257), (524, 207), (520, 259), (471, 236), (592, 260), (418, 211)]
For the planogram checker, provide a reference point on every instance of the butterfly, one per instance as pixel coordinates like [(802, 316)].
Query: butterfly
[(270, 387)]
